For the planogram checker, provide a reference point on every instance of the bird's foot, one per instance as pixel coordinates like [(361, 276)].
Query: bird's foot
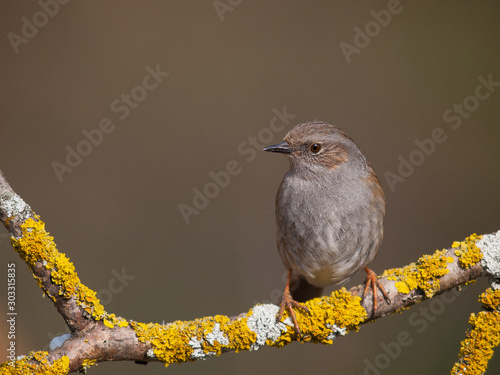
[(288, 303), (372, 280)]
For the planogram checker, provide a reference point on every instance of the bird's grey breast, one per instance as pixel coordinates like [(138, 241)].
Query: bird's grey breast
[(323, 226)]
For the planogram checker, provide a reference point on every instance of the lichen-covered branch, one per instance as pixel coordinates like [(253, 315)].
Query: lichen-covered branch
[(484, 336), (101, 336)]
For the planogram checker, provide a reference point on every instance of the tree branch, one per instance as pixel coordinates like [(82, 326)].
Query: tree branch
[(97, 335)]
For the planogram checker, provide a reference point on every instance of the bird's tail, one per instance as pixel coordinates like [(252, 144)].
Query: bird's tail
[(303, 291)]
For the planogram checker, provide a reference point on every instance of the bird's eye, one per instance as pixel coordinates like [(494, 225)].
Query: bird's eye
[(315, 147)]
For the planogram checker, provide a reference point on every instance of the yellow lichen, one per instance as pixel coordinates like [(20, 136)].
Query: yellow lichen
[(467, 251), (175, 342), (236, 331), (87, 299), (468, 282), (86, 364), (424, 274), (36, 363), (170, 343), (111, 320), (238, 334), (477, 349), (36, 245), (490, 299), (188, 341), (211, 347), (341, 309)]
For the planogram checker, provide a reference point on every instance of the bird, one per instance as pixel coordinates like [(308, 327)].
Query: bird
[(330, 210)]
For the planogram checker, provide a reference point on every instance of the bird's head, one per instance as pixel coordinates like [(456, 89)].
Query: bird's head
[(318, 147)]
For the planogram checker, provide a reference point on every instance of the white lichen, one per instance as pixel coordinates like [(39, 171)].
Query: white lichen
[(217, 335), (198, 352), (490, 247), (58, 341), (14, 205), (336, 331), (263, 322)]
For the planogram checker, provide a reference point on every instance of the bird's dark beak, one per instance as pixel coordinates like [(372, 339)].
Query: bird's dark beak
[(283, 148)]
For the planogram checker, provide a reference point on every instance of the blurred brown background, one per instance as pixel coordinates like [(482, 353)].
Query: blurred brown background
[(118, 210)]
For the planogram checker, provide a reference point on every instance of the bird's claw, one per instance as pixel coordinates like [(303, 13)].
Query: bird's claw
[(372, 280), (288, 303)]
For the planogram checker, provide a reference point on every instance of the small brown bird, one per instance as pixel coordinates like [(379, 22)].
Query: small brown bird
[(329, 212)]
